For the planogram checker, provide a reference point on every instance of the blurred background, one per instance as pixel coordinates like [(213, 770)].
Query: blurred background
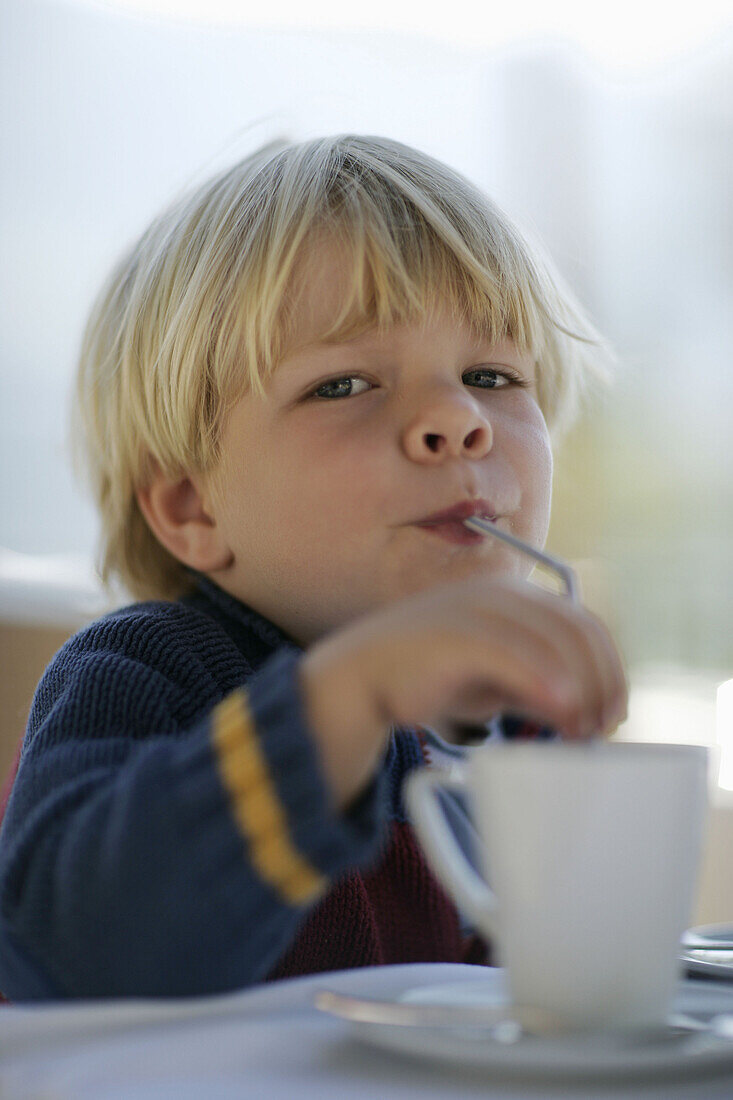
[(607, 134)]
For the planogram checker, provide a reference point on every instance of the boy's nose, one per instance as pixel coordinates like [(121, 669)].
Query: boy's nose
[(448, 429)]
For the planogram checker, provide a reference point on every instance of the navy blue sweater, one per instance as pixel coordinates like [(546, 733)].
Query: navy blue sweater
[(170, 832)]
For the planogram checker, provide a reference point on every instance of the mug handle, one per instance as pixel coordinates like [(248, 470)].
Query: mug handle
[(444, 854)]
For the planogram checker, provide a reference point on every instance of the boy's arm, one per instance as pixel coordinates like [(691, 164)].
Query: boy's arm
[(179, 863)]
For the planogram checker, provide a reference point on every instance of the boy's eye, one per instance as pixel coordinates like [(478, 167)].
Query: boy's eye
[(341, 387), (488, 379)]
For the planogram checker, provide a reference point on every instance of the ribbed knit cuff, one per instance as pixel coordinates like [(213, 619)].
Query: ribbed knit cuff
[(296, 836)]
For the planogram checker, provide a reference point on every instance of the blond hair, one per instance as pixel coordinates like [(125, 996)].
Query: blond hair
[(200, 309)]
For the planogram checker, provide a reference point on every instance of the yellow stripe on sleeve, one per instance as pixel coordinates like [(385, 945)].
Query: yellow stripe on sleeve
[(257, 807)]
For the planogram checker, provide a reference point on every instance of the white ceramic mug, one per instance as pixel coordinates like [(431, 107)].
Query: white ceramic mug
[(592, 851)]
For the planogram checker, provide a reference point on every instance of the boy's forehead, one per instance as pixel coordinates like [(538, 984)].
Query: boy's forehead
[(320, 284), (319, 289)]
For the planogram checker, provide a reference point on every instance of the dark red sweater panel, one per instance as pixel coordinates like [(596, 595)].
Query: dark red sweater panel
[(395, 912)]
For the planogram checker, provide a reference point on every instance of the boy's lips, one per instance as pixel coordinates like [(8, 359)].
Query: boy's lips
[(463, 510), (449, 523)]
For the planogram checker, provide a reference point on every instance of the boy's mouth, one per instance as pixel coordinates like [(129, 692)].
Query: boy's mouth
[(449, 523), (463, 510)]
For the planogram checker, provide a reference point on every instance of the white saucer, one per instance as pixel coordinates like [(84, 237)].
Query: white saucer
[(508, 1051)]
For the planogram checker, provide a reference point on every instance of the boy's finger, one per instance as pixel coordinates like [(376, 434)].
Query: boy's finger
[(528, 672), (592, 654), (605, 671), (574, 652), (611, 670)]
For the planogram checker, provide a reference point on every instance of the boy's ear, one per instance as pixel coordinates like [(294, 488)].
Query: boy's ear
[(181, 520)]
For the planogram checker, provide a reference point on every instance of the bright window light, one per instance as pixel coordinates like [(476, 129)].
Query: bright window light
[(672, 705)]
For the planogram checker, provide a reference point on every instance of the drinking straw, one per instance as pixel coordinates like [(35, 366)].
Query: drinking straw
[(563, 570)]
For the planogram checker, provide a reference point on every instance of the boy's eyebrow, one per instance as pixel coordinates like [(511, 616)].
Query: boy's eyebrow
[(363, 341), (319, 344), (361, 338)]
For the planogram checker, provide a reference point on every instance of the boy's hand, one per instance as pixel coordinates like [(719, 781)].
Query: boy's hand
[(459, 653)]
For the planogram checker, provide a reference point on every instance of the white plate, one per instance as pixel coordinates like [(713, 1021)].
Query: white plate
[(592, 1057)]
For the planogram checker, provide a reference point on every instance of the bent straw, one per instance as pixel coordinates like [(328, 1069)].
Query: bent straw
[(563, 570)]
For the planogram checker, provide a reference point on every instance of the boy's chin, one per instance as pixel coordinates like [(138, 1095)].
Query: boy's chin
[(501, 566)]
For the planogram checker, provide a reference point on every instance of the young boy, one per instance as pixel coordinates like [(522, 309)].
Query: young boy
[(291, 391)]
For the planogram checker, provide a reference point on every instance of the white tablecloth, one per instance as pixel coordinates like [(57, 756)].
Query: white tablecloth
[(270, 1043)]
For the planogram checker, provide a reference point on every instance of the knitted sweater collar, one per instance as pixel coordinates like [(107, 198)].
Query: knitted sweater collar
[(237, 617)]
